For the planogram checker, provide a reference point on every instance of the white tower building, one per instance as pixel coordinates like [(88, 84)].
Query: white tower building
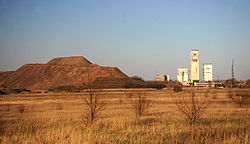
[(194, 65), (182, 75), (207, 72)]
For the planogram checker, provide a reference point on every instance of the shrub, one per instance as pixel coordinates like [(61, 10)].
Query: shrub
[(248, 83), (231, 83), (178, 88), (239, 98), (20, 108), (154, 84), (59, 106), (191, 106), (93, 100), (67, 88), (137, 78), (139, 103)]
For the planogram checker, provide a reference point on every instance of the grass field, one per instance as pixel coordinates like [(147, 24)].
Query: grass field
[(59, 118)]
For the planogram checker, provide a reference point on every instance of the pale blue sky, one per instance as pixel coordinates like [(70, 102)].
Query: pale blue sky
[(140, 37)]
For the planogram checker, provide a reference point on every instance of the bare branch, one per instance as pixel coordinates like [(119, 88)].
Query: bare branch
[(239, 98), (139, 103), (191, 106), (93, 100)]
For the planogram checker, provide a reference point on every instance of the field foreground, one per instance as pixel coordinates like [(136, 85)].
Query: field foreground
[(59, 118)]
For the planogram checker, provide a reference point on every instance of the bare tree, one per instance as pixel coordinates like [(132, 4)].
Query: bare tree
[(140, 104), (231, 83), (20, 108), (239, 98), (177, 88), (190, 105), (93, 99), (1, 115)]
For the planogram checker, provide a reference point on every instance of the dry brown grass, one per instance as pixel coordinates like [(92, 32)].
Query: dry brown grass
[(43, 122)]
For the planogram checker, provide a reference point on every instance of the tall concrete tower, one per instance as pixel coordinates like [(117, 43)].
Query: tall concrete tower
[(207, 72), (182, 75), (194, 65)]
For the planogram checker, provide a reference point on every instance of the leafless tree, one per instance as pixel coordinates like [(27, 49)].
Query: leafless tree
[(20, 108), (190, 105), (177, 88), (59, 106), (240, 98), (93, 99), (140, 104), (1, 115)]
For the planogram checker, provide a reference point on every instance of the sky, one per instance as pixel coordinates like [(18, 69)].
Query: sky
[(140, 37)]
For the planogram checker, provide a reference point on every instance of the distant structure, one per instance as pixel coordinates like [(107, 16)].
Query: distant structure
[(182, 75), (168, 78), (232, 68), (207, 72), (162, 77), (207, 81), (194, 66)]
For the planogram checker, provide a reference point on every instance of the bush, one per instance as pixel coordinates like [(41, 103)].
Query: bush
[(139, 103), (231, 83), (190, 105), (59, 106), (172, 84), (154, 84), (93, 100), (248, 83), (145, 84), (20, 108), (67, 88), (239, 98), (137, 78), (178, 88)]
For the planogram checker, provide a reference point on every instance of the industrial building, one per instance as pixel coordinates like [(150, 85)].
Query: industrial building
[(207, 72), (191, 78), (182, 75), (162, 77), (194, 66), (168, 78)]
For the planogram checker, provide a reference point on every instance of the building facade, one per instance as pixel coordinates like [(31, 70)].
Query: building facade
[(168, 78), (207, 72), (161, 77), (182, 75), (194, 66)]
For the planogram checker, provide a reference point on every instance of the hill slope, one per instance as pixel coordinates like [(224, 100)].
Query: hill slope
[(61, 71)]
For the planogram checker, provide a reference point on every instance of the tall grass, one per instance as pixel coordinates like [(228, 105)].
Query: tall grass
[(223, 122)]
